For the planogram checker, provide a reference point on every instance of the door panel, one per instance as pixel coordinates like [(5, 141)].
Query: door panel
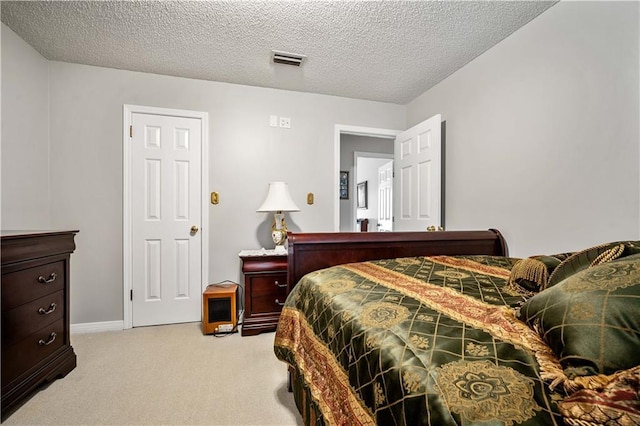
[(418, 168), (406, 193), (166, 203), (425, 208)]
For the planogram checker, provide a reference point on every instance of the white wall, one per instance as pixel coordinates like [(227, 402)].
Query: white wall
[(62, 160), (25, 135), (543, 131), (245, 154)]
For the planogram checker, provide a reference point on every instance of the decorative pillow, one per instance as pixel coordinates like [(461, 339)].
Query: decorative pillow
[(617, 403), (590, 257), (532, 273), (591, 320)]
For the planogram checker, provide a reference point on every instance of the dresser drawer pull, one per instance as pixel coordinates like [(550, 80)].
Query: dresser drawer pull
[(52, 307), (49, 280), (52, 338), (280, 285), (279, 303)]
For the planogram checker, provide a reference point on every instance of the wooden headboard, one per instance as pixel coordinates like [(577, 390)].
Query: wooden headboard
[(312, 251)]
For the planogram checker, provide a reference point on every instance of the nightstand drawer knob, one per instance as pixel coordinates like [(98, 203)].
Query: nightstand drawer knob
[(52, 338), (49, 280), (52, 307), (279, 303), (280, 285)]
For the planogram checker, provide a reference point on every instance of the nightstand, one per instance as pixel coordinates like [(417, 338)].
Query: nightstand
[(265, 289)]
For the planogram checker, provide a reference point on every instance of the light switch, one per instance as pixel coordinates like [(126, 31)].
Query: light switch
[(310, 198), (273, 120)]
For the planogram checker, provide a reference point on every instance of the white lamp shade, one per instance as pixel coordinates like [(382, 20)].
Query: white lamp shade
[(278, 199)]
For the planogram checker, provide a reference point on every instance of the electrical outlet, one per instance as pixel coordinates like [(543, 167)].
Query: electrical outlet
[(285, 122)]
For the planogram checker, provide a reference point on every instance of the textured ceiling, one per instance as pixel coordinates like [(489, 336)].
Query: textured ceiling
[(390, 51)]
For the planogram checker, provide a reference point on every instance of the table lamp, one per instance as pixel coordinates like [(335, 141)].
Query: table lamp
[(278, 200)]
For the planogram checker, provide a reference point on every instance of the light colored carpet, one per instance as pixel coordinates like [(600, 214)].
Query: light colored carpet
[(171, 375)]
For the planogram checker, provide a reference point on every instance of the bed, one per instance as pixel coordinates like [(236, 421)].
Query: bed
[(444, 328)]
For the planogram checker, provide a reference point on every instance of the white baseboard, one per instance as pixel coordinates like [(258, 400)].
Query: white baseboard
[(96, 327)]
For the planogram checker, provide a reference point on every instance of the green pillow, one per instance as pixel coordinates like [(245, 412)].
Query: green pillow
[(591, 319), (594, 255)]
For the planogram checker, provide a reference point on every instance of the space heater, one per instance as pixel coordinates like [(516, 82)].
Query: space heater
[(219, 312)]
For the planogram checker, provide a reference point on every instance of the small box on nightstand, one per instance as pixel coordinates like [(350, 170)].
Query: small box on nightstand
[(219, 313)]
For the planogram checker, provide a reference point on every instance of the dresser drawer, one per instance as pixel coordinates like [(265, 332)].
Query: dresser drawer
[(35, 277), (31, 350), (18, 323), (25, 285), (269, 284)]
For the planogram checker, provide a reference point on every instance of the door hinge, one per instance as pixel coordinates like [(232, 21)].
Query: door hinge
[(131, 131), (131, 295)]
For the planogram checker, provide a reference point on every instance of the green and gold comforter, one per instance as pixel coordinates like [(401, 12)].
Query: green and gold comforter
[(411, 341)]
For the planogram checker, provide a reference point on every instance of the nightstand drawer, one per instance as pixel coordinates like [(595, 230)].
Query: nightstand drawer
[(31, 350), (19, 322), (267, 304), (265, 290), (269, 284), (23, 286)]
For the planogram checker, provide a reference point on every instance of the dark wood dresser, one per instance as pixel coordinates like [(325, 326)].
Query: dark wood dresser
[(265, 289), (36, 345)]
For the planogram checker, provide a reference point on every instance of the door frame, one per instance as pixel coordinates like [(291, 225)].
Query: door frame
[(127, 241), (343, 129)]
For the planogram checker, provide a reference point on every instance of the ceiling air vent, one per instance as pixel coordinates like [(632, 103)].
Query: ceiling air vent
[(287, 58)]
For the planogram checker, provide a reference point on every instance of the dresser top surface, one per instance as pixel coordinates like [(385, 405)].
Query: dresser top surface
[(10, 234)]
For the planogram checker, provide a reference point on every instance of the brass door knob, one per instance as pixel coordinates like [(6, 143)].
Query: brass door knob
[(194, 230)]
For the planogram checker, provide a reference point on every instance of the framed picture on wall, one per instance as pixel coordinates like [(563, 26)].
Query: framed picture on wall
[(344, 185), (362, 195)]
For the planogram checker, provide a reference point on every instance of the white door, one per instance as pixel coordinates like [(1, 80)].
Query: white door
[(418, 180), (385, 197), (165, 219)]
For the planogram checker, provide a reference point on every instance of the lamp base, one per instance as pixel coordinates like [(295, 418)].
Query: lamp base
[(280, 249), (279, 232)]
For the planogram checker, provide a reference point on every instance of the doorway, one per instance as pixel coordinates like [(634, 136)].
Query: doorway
[(165, 232), (418, 186), (343, 209)]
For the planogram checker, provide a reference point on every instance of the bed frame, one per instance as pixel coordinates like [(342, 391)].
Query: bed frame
[(312, 251), (309, 252)]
